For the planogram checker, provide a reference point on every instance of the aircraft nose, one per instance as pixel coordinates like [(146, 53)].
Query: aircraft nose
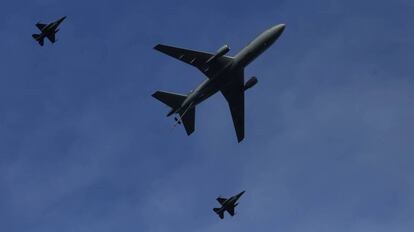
[(274, 32), (282, 27), (61, 19), (278, 29)]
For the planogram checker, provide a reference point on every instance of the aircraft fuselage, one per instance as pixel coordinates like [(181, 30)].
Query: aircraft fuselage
[(51, 28), (232, 201), (228, 205), (225, 76)]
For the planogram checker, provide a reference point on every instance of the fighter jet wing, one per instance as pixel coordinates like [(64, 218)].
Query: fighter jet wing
[(231, 211), (195, 58), (221, 200), (234, 95), (40, 26), (51, 37)]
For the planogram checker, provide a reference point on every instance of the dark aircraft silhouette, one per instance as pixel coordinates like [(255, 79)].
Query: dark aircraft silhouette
[(227, 205), (224, 74), (47, 31)]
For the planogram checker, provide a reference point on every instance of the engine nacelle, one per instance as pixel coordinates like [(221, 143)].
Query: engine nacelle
[(221, 52), (250, 83)]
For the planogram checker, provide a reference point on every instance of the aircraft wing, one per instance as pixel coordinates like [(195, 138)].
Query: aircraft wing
[(51, 37), (234, 95), (221, 200), (40, 26), (195, 58), (231, 211)]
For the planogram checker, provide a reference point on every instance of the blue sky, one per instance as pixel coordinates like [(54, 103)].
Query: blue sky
[(329, 127)]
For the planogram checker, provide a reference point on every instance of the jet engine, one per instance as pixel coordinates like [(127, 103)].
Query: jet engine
[(221, 52), (250, 83)]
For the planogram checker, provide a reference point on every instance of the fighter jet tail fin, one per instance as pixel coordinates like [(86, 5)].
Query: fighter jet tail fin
[(38, 38), (219, 212), (172, 100)]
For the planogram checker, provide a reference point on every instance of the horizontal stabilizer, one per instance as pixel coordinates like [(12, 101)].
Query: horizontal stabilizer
[(188, 119), (38, 38), (172, 100), (219, 212)]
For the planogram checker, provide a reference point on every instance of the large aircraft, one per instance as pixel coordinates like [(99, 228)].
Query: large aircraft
[(224, 74), (47, 31), (227, 205)]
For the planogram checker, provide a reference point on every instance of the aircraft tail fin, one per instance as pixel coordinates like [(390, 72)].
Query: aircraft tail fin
[(38, 38), (219, 212), (172, 100)]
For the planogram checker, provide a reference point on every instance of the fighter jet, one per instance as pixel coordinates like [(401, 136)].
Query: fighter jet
[(48, 31), (224, 74), (227, 205)]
